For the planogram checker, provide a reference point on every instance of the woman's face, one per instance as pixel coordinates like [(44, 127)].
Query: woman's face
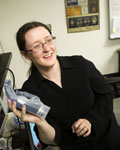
[(44, 57)]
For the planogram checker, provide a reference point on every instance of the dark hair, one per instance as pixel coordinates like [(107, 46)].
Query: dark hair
[(20, 36)]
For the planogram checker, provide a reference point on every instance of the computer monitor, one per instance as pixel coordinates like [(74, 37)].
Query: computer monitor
[(5, 59)]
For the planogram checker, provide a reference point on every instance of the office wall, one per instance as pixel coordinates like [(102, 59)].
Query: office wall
[(93, 45)]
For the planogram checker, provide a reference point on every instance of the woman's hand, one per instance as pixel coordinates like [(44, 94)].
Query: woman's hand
[(26, 117), (82, 127), (46, 131)]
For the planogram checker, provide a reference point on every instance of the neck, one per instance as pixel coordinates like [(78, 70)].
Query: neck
[(52, 73)]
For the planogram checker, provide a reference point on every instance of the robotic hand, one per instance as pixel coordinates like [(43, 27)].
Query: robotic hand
[(33, 103)]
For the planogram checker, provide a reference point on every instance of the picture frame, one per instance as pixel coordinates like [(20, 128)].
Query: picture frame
[(114, 19), (82, 15)]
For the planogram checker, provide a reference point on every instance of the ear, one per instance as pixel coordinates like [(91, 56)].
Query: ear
[(25, 55)]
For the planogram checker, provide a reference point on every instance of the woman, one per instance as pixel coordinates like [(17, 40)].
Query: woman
[(80, 99)]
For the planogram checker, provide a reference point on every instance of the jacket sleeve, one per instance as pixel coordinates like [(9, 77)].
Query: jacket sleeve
[(101, 112)]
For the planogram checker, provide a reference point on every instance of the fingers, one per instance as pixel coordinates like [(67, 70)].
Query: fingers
[(9, 103), (87, 133), (82, 127), (26, 117), (81, 131), (23, 113), (12, 106), (76, 126)]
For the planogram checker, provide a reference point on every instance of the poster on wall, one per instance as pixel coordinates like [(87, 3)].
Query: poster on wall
[(114, 19), (82, 15)]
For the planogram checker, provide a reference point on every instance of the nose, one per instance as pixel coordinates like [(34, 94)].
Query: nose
[(43, 44), (45, 47)]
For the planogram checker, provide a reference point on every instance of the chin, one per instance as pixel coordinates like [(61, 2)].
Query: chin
[(50, 64)]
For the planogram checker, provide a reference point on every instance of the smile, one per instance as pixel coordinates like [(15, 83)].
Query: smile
[(49, 55)]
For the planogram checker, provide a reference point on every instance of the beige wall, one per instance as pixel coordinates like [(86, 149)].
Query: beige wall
[(93, 45)]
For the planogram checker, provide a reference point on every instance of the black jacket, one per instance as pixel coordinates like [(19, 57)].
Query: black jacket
[(84, 94)]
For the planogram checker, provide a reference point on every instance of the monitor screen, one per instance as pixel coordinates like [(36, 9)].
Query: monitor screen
[(5, 59)]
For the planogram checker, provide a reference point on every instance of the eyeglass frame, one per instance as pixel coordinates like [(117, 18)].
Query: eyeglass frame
[(30, 50)]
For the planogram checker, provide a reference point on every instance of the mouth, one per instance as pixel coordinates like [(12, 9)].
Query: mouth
[(48, 56)]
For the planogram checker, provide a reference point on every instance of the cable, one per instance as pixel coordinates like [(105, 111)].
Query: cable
[(12, 76), (19, 125)]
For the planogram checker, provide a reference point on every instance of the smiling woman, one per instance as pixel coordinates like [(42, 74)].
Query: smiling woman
[(81, 114), (39, 46)]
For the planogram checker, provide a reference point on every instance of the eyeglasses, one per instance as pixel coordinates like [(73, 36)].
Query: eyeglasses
[(39, 46)]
